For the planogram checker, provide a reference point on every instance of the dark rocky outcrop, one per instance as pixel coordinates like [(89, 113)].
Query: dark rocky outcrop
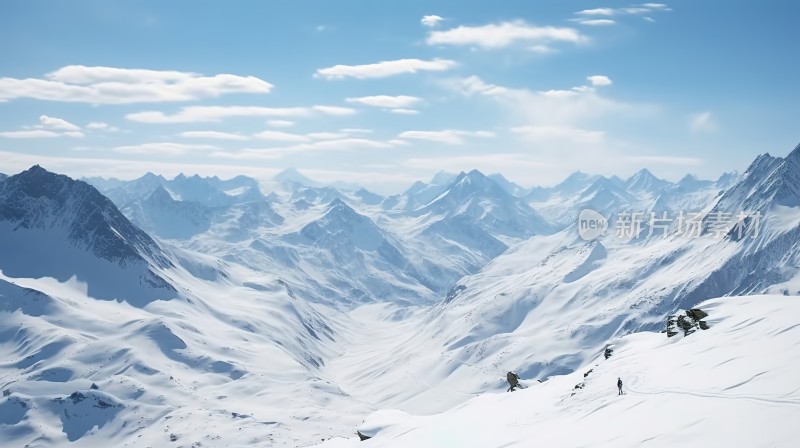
[(686, 321), (362, 437)]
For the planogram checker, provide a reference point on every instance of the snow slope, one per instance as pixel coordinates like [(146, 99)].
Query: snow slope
[(236, 363), (732, 385), (285, 325)]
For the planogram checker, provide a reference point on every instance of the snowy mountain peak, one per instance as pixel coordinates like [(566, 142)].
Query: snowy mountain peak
[(160, 194), (645, 182), (291, 176), (768, 181), (59, 227), (476, 181), (443, 178), (510, 187), (795, 154)]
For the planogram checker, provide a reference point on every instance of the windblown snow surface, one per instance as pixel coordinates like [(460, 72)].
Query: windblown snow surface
[(733, 385)]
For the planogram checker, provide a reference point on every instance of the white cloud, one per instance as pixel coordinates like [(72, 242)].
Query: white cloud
[(74, 134), (503, 35), (599, 80), (36, 133), (334, 110), (213, 135), (162, 148), (645, 8), (702, 122), (279, 136), (597, 12), (447, 136), (403, 111), (345, 144), (576, 107), (357, 131), (596, 22), (327, 135), (101, 126), (57, 123), (649, 19), (431, 21), (200, 114), (280, 123), (108, 85), (549, 133), (387, 101), (384, 68), (541, 49)]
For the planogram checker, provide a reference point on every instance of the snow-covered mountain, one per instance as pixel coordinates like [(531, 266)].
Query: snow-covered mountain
[(109, 338), (561, 291), (291, 177), (252, 316), (207, 191), (645, 182), (732, 385), (53, 226)]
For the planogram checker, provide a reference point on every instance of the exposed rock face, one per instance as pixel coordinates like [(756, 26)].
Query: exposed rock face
[(688, 321)]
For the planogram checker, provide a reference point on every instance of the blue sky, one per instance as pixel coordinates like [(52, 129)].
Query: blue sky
[(383, 93)]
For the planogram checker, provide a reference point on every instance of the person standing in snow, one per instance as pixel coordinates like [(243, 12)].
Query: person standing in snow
[(513, 380), (619, 385)]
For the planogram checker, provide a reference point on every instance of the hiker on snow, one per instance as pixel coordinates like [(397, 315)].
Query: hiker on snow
[(513, 380), (619, 385)]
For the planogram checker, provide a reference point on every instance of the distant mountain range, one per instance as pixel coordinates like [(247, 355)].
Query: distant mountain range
[(265, 305)]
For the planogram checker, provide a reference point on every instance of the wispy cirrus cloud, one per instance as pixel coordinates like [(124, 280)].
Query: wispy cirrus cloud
[(162, 148), (385, 69), (504, 34), (545, 133), (109, 85), (33, 133), (603, 16), (280, 123), (200, 114), (386, 101), (340, 144), (328, 135), (404, 111), (102, 126), (555, 107), (702, 122), (279, 136), (214, 135), (596, 22), (272, 135), (446, 136)]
